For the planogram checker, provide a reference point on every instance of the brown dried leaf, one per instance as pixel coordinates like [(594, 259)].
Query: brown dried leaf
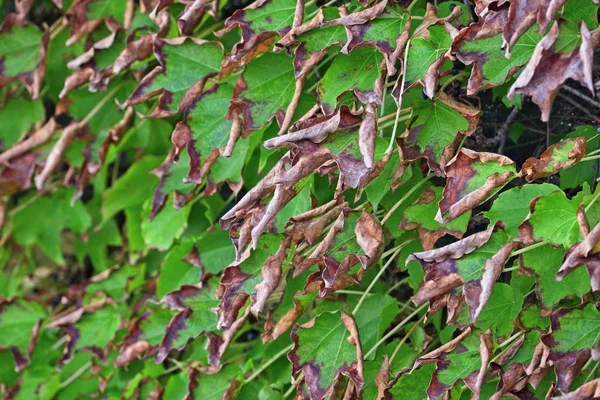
[(547, 70), (582, 254), (589, 390), (559, 156), (472, 178)]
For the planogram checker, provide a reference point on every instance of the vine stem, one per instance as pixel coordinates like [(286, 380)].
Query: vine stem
[(396, 329), (374, 281), (268, 363), (399, 105), (405, 197), (405, 338), (76, 374)]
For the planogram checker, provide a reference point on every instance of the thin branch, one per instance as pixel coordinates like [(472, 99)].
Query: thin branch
[(503, 131)]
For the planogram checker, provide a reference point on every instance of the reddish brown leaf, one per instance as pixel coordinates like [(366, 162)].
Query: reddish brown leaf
[(589, 390)]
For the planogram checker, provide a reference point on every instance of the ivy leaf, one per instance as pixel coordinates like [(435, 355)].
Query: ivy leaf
[(437, 129), (357, 72), (575, 333), (421, 216), (425, 57), (491, 67), (221, 384), (184, 67), (475, 262), (466, 357), (547, 70), (545, 262), (512, 206), (502, 308), (555, 158), (325, 348), (20, 322), (23, 55), (553, 218), (472, 179), (580, 173), (195, 306), (388, 33), (256, 277), (43, 221)]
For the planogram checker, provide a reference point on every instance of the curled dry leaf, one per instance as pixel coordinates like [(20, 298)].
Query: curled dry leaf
[(472, 178), (559, 156), (547, 70), (325, 348), (450, 266), (196, 316), (316, 128), (584, 254), (255, 277), (589, 390), (37, 138)]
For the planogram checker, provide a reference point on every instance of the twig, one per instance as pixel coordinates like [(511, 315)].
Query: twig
[(581, 96), (505, 128), (576, 104)]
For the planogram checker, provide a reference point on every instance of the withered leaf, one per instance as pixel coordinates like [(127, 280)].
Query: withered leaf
[(584, 253), (256, 277), (325, 348), (472, 178), (555, 158), (196, 315), (547, 70)]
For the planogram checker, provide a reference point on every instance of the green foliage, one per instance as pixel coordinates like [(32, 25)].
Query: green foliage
[(327, 200)]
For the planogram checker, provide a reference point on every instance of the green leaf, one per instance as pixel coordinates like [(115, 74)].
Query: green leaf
[(421, 215), (501, 309), (19, 116), (554, 218), (324, 348), (544, 262), (357, 71), (160, 232), (423, 52), (263, 98), (491, 67), (17, 322), (216, 386), (413, 385), (20, 54), (575, 329), (43, 220), (136, 180), (374, 317), (195, 306), (380, 186), (512, 206), (580, 173), (175, 271)]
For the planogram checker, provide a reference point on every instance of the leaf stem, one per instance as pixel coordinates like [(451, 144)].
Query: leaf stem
[(268, 363), (400, 95), (405, 338), (374, 281), (405, 197), (76, 374), (526, 249), (394, 330)]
